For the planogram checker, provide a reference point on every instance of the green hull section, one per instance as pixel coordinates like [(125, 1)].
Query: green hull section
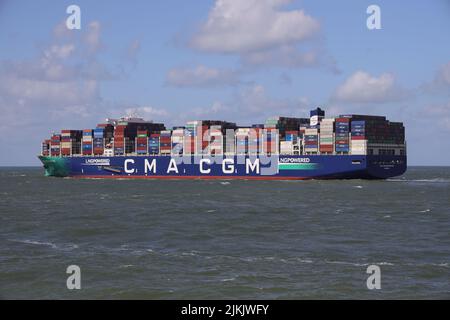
[(55, 166)]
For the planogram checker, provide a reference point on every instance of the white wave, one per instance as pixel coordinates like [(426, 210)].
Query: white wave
[(225, 183), (212, 210), (383, 263), (228, 279), (358, 187), (425, 211), (435, 180), (305, 260), (37, 243)]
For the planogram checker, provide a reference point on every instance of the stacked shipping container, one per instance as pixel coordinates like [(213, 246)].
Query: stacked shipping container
[(153, 144), (311, 140), (347, 134), (46, 147), (177, 141), (55, 145), (326, 136), (142, 142), (98, 142), (87, 142), (119, 139), (342, 131), (165, 142)]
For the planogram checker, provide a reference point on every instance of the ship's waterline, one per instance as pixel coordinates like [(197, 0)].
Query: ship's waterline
[(208, 239)]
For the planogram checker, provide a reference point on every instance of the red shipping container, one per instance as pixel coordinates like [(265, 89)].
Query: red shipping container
[(358, 138)]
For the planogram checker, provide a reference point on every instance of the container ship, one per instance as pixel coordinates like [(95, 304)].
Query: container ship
[(284, 148)]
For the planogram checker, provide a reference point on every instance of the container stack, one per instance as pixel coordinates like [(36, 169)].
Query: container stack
[(326, 136), (190, 134), (215, 140), (311, 140), (71, 142), (284, 124), (45, 148), (230, 142), (119, 139), (342, 131), (177, 141), (108, 133), (87, 142), (292, 136), (359, 142), (202, 139), (270, 139), (153, 144), (359, 147), (290, 144), (242, 137), (254, 140), (396, 133), (165, 142), (359, 130), (55, 145), (66, 143), (286, 147), (98, 146), (142, 142)]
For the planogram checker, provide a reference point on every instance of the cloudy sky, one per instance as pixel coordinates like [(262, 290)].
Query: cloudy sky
[(237, 60)]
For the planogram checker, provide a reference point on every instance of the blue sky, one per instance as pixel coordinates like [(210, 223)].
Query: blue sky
[(235, 60)]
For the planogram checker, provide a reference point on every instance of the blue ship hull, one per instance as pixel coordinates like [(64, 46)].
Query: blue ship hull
[(281, 167)]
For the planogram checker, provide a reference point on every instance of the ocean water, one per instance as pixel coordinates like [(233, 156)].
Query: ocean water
[(146, 239)]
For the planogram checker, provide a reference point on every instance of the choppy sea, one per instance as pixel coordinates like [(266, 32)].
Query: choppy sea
[(157, 239)]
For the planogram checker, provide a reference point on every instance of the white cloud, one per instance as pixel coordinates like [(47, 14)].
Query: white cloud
[(92, 37), (439, 113), (235, 26), (253, 104), (146, 112), (285, 56), (59, 51), (443, 76), (201, 76), (48, 93), (361, 87), (263, 33), (56, 87), (441, 81)]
